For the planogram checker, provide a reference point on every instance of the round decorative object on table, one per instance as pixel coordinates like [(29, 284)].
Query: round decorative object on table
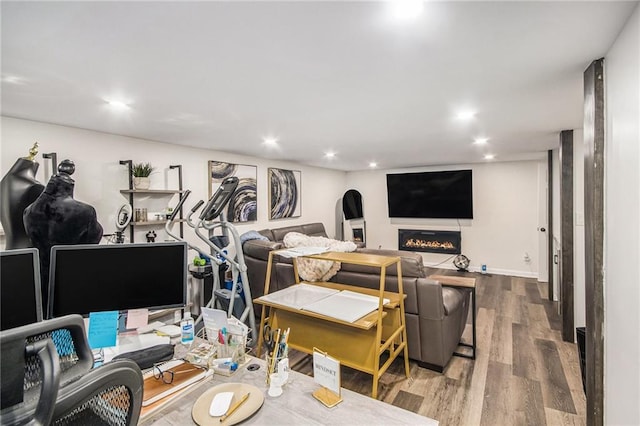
[(200, 411)]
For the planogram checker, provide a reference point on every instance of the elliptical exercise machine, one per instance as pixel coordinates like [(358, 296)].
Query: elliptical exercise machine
[(207, 221)]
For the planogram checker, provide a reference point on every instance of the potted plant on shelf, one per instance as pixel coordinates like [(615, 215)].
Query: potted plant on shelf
[(141, 172)]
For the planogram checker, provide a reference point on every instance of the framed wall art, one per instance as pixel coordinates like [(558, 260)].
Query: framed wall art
[(243, 206), (285, 193)]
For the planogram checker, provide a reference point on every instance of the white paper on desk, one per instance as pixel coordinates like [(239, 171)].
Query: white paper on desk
[(214, 318), (298, 295), (361, 296), (237, 327), (344, 308), (137, 318)]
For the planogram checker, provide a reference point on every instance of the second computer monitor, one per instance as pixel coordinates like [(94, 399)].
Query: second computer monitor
[(20, 293), (94, 278)]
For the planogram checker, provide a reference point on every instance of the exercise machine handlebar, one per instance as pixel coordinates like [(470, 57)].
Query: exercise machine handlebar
[(179, 205), (219, 199)]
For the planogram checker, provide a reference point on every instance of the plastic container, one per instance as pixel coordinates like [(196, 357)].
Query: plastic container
[(186, 327)]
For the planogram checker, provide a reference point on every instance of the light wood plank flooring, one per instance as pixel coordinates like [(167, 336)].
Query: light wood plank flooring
[(524, 374)]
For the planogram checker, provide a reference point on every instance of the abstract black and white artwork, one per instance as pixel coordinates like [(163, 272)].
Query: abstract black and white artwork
[(243, 206), (285, 196)]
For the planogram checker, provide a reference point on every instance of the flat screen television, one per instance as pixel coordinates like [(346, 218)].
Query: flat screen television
[(20, 291), (435, 195), (93, 278)]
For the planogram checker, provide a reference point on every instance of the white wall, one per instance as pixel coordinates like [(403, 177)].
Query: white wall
[(99, 177), (504, 227), (622, 228)]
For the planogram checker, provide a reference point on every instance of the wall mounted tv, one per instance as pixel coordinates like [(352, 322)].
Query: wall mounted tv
[(435, 195)]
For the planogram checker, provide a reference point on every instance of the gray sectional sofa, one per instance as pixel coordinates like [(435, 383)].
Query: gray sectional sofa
[(435, 315)]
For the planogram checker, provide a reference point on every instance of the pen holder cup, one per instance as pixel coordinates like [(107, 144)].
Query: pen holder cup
[(277, 368)]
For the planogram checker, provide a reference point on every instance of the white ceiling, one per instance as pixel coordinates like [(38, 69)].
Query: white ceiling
[(319, 76)]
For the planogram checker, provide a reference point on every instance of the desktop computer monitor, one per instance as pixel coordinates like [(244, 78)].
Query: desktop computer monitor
[(93, 278), (20, 293)]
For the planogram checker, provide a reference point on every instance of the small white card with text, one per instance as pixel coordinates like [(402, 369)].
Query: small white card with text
[(326, 371)]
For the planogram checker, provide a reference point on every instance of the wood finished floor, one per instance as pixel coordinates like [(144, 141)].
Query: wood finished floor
[(524, 374)]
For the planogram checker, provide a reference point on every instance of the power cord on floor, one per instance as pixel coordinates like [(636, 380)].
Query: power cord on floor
[(444, 261)]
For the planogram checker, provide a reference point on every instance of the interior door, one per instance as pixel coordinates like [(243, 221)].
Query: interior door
[(543, 228)]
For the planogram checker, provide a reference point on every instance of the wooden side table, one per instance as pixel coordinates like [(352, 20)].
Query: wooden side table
[(464, 283)]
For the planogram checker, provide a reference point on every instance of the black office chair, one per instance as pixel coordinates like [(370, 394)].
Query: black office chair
[(30, 373), (50, 378)]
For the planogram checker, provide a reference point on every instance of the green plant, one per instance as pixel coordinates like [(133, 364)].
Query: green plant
[(142, 169)]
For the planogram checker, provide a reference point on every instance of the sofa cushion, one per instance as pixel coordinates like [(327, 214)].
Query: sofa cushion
[(279, 233), (314, 230), (260, 249), (267, 233), (412, 265), (252, 235), (452, 299), (311, 229)]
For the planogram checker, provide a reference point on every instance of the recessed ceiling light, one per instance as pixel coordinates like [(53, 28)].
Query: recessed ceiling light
[(118, 105), (406, 9), (480, 141), (270, 141), (465, 115), (13, 79), (373, 164), (330, 154), (489, 157)]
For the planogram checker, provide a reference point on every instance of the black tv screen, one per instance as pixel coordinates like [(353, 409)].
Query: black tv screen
[(93, 278), (434, 195)]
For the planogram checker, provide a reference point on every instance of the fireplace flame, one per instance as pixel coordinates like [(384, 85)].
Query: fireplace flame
[(413, 243)]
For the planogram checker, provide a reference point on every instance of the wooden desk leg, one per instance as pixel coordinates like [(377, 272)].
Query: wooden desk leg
[(261, 330), (374, 391)]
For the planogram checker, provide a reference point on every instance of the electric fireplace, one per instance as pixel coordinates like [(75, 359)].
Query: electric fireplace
[(445, 242)]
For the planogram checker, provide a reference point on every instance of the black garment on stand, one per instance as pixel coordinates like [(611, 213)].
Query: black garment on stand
[(55, 218), (18, 189)]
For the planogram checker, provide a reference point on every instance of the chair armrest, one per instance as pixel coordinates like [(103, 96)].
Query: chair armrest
[(45, 350), (109, 377), (430, 301)]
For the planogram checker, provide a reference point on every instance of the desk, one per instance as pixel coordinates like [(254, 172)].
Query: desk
[(464, 283), (357, 344), (296, 406)]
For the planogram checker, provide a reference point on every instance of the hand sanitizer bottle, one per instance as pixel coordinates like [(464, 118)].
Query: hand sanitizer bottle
[(186, 326)]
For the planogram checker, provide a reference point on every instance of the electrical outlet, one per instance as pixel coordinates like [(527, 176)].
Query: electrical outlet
[(527, 258)]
